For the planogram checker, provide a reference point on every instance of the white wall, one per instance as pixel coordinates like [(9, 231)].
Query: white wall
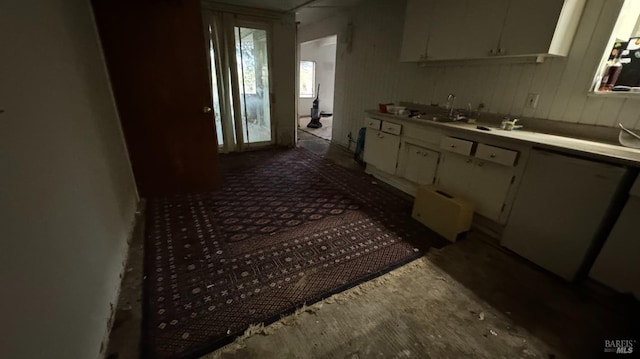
[(323, 53), (368, 74), (371, 73), (68, 196), (284, 79)]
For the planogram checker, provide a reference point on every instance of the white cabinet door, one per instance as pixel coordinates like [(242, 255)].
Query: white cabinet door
[(454, 173), (482, 26), (467, 29), (447, 36), (489, 186), (381, 150), (418, 164), (530, 26), (486, 184), (416, 30)]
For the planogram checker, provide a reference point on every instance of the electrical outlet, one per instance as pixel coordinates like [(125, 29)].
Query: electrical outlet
[(532, 100)]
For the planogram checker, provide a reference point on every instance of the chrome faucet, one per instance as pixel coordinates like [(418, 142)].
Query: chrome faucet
[(451, 100)]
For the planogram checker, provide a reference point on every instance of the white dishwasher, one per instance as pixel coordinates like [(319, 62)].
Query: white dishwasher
[(559, 209), (618, 264)]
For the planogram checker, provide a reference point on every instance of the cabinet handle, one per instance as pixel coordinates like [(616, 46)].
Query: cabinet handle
[(418, 152), (500, 51), (493, 155), (453, 146), (492, 51), (468, 160), (426, 154), (481, 164), (389, 128)]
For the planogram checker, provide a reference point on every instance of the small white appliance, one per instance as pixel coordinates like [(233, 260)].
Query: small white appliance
[(559, 210), (618, 264)]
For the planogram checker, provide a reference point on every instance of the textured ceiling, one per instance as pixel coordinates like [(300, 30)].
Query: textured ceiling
[(307, 11), (277, 5)]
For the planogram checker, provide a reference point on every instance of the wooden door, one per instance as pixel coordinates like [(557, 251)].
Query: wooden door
[(157, 61)]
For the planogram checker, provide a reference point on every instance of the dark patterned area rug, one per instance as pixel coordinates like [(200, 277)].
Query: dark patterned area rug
[(287, 228)]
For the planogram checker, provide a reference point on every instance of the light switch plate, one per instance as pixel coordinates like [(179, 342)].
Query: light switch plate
[(532, 100)]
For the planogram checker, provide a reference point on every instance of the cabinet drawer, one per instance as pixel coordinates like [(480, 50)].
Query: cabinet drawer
[(456, 145), (496, 154), (392, 128), (372, 123)]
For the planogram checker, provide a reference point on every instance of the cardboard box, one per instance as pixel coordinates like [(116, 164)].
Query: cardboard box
[(444, 212)]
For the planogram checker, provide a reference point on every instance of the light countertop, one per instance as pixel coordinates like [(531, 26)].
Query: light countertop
[(592, 149)]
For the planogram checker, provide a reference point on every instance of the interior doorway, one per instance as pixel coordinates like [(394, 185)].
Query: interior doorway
[(317, 84), (239, 53)]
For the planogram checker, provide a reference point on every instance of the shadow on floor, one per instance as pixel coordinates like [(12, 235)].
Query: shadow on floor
[(574, 318)]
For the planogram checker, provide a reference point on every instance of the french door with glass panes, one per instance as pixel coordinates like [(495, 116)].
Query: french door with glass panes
[(240, 77)]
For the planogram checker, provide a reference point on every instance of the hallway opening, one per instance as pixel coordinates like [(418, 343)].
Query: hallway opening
[(317, 83)]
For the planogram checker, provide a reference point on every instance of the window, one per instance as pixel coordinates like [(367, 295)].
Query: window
[(307, 78), (246, 60), (619, 70)]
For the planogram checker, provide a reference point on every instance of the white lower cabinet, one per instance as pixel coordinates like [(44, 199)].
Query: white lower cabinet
[(485, 183), (490, 185), (455, 172), (418, 164), (482, 173), (381, 150)]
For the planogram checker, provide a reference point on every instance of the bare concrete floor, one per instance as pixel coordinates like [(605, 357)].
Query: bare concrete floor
[(470, 299)]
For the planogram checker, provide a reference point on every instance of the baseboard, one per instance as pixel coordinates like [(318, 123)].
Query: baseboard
[(113, 303), (488, 227), (399, 183)]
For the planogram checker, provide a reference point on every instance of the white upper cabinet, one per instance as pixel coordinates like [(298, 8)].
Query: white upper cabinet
[(416, 30), (472, 29), (482, 24), (530, 26), (446, 36)]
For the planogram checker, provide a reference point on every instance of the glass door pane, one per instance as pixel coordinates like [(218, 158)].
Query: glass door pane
[(216, 97), (253, 73)]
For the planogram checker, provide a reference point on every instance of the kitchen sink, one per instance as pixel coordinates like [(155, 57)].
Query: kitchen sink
[(444, 118)]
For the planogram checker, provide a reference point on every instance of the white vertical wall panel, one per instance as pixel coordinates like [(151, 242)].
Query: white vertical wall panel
[(629, 113), (609, 112), (592, 57), (572, 65), (591, 110), (372, 73)]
